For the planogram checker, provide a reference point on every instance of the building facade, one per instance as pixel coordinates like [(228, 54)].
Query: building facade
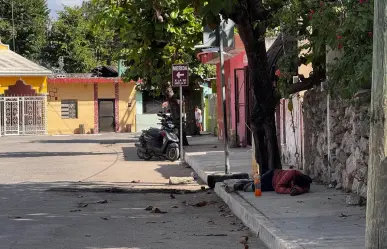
[(23, 95), (89, 105)]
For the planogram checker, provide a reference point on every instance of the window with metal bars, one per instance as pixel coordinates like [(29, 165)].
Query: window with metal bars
[(69, 109)]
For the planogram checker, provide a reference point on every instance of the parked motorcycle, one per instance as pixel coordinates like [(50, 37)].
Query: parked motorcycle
[(162, 143)]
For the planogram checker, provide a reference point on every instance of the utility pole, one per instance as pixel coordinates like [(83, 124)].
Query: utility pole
[(13, 28), (376, 229), (223, 99)]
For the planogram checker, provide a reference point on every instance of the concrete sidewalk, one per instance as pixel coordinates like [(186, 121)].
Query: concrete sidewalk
[(319, 219)]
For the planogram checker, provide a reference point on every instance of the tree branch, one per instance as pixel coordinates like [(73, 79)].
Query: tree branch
[(306, 83)]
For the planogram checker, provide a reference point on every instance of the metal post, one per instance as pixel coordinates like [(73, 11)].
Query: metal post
[(223, 97), (181, 124)]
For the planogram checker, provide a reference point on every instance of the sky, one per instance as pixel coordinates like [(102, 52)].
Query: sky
[(55, 5)]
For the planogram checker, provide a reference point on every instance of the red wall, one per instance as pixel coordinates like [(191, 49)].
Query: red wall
[(236, 62)]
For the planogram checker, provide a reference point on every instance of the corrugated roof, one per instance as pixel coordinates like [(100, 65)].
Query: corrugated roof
[(13, 64)]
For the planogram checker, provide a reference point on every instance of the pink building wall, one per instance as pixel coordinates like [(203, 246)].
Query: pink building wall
[(236, 62)]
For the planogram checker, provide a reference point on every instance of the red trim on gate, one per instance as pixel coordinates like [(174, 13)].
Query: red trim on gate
[(117, 106), (96, 118)]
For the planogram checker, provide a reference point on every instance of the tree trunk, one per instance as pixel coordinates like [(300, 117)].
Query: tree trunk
[(263, 116)]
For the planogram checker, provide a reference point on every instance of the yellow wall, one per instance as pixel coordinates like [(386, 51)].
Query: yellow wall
[(127, 114), (39, 83), (84, 93), (3, 46)]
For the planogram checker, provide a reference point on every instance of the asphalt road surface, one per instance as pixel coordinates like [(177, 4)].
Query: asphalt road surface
[(34, 218)]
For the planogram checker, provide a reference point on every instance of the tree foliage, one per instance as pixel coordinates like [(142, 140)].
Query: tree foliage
[(31, 20), (154, 35), (82, 45), (342, 26)]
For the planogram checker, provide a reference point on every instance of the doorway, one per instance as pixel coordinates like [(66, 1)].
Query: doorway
[(106, 115)]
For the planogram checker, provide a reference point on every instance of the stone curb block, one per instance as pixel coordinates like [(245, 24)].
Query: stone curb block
[(266, 230), (190, 160)]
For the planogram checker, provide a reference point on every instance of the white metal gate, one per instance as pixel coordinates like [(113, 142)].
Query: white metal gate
[(23, 115)]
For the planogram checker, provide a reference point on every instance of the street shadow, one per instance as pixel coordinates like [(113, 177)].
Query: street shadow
[(166, 168), (130, 155), (48, 154), (86, 141), (174, 170)]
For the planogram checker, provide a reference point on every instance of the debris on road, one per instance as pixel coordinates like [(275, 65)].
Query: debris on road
[(158, 211), (150, 222), (194, 175), (104, 218), (75, 210), (15, 217), (83, 205), (149, 208), (175, 206), (180, 180), (211, 235), (135, 181), (201, 204), (245, 240), (102, 202), (172, 196)]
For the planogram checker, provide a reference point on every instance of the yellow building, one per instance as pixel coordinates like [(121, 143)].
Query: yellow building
[(80, 104), (23, 94)]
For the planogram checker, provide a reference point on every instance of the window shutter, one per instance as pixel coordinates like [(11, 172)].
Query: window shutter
[(69, 109)]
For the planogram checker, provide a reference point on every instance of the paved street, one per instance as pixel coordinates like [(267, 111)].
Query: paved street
[(89, 160), (34, 216), (35, 219)]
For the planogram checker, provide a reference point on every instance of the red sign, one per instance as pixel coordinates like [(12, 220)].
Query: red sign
[(180, 75)]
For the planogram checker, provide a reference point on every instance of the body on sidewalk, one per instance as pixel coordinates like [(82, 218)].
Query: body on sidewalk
[(291, 182)]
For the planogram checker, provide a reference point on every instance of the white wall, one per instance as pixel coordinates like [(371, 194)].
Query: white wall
[(291, 141)]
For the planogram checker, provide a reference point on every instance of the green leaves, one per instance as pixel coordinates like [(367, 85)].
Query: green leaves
[(82, 44), (152, 46), (344, 26), (31, 21)]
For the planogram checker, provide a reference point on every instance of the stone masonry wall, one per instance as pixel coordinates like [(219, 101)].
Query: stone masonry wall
[(349, 126)]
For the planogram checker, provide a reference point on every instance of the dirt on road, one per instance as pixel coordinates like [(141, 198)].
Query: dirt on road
[(32, 218)]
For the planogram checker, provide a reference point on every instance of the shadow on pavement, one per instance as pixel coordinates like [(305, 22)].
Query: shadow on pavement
[(48, 154), (86, 141), (130, 154)]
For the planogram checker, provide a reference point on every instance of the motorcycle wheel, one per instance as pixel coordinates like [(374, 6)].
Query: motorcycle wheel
[(140, 154), (147, 156), (172, 154)]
